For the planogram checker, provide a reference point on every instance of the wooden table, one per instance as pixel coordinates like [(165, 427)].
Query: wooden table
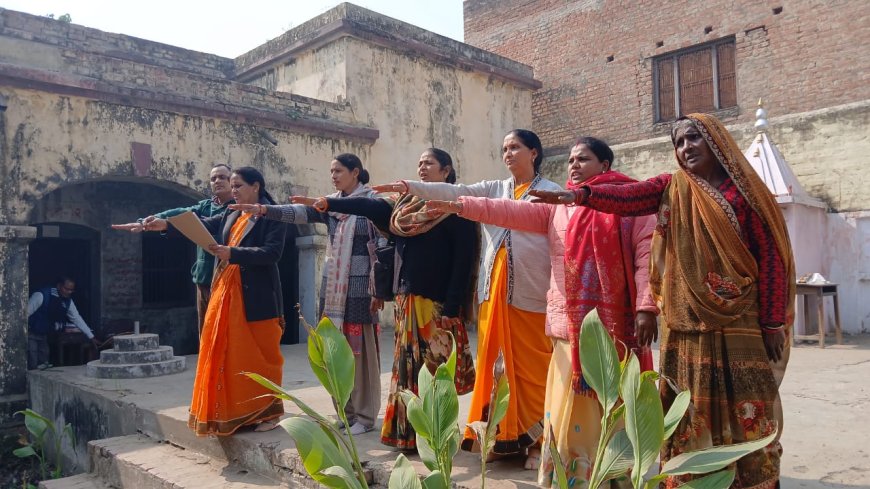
[(820, 291)]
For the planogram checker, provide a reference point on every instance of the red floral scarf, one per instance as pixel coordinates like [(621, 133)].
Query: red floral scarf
[(599, 270)]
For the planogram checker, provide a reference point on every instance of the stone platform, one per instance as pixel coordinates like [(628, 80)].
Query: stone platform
[(136, 356), (142, 423)]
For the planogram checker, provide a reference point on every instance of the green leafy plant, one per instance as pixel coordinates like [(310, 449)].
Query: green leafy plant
[(626, 394), (329, 456), (434, 414), (485, 431), (43, 431)]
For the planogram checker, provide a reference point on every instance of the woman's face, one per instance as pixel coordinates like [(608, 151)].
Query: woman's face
[(693, 152), (517, 156), (429, 170), (343, 179), (583, 164), (244, 193)]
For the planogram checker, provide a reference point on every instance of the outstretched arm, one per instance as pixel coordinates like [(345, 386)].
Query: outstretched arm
[(377, 211), (520, 215), (439, 190)]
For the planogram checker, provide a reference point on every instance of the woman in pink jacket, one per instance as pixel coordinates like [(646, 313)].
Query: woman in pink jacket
[(598, 261)]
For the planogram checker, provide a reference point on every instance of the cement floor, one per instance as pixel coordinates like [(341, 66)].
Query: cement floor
[(826, 396)]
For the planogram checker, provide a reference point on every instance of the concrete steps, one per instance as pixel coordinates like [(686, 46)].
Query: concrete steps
[(139, 462), (136, 356), (81, 481)]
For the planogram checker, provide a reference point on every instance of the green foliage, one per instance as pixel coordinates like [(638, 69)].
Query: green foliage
[(434, 414), (328, 456), (404, 476), (485, 431), (632, 450), (42, 431)]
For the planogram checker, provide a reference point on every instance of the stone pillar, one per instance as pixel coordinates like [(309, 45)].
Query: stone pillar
[(13, 321), (312, 251)]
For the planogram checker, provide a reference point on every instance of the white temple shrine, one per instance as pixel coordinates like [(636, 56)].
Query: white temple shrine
[(805, 216)]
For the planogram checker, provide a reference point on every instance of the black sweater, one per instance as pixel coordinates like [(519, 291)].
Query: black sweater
[(257, 256), (436, 265)]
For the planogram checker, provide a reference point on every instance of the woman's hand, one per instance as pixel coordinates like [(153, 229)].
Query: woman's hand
[(645, 328), (376, 305), (774, 343), (220, 251), (439, 207), (555, 197), (318, 203), (255, 209), (150, 223), (397, 186)]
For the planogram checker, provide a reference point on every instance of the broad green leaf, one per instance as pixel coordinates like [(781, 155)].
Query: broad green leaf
[(676, 412), (617, 414), (719, 480), (424, 381), (451, 360), (403, 475), (618, 457), (332, 360), (558, 466), (36, 423), (714, 458), (599, 360), (24, 452), (654, 482), (644, 419), (280, 393), (501, 401), (427, 455), (416, 414), (650, 375), (318, 451), (434, 480), (335, 475), (445, 408)]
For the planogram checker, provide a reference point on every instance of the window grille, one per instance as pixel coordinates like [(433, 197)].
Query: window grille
[(698, 79), (166, 262)]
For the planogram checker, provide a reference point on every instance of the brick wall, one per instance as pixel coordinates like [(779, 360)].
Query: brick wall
[(797, 55)]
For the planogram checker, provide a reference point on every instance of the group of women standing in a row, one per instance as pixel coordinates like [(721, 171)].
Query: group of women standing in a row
[(715, 262)]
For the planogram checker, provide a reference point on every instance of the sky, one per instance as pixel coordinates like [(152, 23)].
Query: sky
[(230, 28)]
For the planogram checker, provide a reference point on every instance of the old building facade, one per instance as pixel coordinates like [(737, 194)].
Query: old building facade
[(98, 128)]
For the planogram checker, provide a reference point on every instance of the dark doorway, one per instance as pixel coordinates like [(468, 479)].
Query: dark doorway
[(288, 269), (72, 250)]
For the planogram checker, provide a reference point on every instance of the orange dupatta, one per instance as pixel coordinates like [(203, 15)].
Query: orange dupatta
[(699, 244)]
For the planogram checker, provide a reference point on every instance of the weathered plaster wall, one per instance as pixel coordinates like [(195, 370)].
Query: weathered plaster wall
[(416, 103), (57, 140), (319, 73)]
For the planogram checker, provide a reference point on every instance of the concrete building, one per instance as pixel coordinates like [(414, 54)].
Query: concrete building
[(98, 128), (625, 70)]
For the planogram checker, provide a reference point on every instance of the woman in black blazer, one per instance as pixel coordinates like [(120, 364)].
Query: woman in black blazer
[(243, 324)]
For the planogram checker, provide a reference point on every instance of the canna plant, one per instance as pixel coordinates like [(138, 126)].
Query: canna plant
[(630, 397), (42, 430), (485, 431), (434, 413), (329, 456)]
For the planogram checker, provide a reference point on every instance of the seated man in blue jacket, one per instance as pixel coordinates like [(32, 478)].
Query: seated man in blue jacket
[(49, 310)]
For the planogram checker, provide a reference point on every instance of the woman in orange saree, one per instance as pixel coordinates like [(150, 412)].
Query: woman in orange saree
[(244, 320)]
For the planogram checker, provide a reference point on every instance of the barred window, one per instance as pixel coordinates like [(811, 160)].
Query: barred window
[(698, 79), (166, 262)]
